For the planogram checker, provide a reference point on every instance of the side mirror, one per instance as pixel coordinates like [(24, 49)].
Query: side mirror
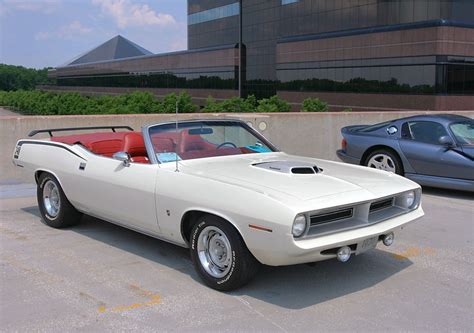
[(122, 156), (446, 140)]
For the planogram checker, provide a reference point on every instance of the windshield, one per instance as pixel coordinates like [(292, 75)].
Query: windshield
[(199, 139), (464, 132)]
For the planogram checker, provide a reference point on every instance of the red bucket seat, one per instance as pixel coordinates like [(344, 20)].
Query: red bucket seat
[(134, 145)]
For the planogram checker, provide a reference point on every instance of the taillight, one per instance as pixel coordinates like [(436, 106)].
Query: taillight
[(343, 144)]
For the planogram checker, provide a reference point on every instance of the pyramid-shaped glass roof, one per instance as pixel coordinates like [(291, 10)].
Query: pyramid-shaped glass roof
[(116, 48)]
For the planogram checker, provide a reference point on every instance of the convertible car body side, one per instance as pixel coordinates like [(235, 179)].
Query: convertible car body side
[(251, 188)]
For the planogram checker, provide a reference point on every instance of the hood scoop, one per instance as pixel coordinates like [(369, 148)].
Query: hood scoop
[(289, 167)]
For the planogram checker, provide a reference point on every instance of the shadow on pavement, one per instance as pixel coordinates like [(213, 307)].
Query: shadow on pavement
[(448, 193), (291, 287), (33, 210), (300, 286)]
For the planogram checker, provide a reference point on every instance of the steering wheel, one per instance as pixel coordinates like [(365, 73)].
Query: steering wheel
[(227, 143)]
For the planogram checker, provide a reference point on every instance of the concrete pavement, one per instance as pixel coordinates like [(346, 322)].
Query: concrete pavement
[(101, 277)]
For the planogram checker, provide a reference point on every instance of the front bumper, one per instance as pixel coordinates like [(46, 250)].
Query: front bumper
[(290, 251), (346, 158)]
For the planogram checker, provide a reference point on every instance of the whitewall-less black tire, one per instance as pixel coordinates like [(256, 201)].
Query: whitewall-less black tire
[(55, 208), (219, 254)]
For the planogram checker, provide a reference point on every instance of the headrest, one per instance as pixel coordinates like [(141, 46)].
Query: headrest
[(134, 145)]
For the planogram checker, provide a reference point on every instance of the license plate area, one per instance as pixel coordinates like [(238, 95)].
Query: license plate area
[(367, 244)]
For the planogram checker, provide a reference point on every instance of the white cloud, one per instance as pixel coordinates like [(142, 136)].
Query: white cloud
[(179, 44), (41, 6), (69, 31), (126, 13)]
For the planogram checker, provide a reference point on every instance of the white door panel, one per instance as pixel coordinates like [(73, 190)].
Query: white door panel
[(119, 193)]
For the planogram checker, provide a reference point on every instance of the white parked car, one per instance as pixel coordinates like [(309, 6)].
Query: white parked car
[(221, 189)]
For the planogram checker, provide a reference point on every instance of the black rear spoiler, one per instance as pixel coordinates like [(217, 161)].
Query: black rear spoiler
[(51, 130)]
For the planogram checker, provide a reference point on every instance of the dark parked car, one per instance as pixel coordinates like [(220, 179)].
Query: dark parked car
[(433, 150)]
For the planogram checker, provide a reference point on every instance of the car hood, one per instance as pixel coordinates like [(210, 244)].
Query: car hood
[(333, 179)]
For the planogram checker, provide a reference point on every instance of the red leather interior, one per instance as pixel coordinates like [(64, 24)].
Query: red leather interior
[(108, 143), (106, 147), (105, 144), (188, 146), (191, 146), (134, 145), (164, 142), (190, 143)]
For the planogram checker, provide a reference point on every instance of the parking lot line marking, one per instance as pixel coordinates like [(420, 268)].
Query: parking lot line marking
[(155, 299), (413, 251), (140, 290)]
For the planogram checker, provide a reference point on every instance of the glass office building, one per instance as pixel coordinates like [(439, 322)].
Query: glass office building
[(364, 54)]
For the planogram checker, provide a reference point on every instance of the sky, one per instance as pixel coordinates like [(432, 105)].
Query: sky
[(48, 33)]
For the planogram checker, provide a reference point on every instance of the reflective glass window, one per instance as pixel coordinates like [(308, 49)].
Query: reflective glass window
[(426, 131), (214, 14), (287, 2)]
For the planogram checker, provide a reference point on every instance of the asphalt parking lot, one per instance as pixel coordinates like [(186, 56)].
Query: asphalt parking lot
[(98, 276)]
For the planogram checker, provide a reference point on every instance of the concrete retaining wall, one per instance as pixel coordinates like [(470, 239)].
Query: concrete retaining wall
[(308, 134)]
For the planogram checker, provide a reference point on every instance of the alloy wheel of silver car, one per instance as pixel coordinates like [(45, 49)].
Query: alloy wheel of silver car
[(382, 162), (214, 251), (51, 198)]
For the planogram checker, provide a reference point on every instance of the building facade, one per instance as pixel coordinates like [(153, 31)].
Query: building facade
[(363, 54)]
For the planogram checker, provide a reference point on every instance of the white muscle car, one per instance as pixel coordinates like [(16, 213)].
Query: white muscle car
[(221, 189)]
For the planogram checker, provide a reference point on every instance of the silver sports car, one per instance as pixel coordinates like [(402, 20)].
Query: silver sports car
[(433, 150)]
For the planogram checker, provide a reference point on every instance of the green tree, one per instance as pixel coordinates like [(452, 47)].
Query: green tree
[(19, 77)]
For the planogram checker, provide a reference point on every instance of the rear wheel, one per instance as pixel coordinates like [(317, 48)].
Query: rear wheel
[(55, 208), (384, 160), (219, 254)]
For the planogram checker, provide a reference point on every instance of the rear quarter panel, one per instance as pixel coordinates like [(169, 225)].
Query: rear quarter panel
[(58, 159), (359, 144)]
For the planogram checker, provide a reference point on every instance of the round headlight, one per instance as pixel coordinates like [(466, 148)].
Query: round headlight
[(299, 226), (410, 199)]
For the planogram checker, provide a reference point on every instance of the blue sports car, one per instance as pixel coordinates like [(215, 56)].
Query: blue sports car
[(432, 150)]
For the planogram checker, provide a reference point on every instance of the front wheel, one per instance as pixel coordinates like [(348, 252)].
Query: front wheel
[(219, 254), (55, 208), (385, 160)]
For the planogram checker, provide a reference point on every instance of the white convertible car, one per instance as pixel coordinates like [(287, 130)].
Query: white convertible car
[(221, 189)]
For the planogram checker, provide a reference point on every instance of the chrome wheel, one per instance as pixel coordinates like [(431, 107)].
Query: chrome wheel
[(214, 251), (51, 199), (382, 162)]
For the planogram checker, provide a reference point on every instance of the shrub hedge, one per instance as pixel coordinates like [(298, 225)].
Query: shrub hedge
[(38, 102), (48, 103), (314, 105)]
